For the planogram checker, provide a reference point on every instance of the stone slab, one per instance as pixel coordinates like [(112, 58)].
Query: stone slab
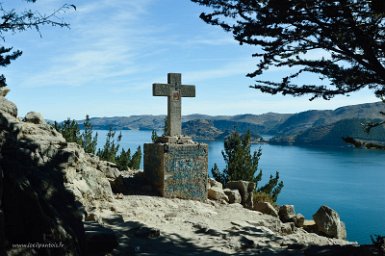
[(177, 170)]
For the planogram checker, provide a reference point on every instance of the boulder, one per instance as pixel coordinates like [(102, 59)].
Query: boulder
[(8, 107), (246, 189), (216, 193), (214, 183), (266, 208), (34, 117), (310, 226), (233, 195), (299, 220), (328, 223), (286, 213)]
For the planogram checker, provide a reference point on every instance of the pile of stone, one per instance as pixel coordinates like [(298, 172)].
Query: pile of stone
[(236, 192), (326, 221)]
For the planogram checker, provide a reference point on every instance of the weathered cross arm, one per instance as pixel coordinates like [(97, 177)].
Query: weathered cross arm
[(188, 91), (164, 90), (160, 90)]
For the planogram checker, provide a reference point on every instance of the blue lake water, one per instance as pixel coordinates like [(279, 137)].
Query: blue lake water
[(351, 181)]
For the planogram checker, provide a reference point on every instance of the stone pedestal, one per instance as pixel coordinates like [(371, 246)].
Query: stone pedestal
[(177, 170)]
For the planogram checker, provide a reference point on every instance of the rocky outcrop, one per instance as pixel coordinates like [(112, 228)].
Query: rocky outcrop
[(49, 185), (163, 226), (328, 223), (34, 117), (8, 107)]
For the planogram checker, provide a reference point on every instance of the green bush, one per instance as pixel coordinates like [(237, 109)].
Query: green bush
[(111, 147), (71, 132), (242, 165)]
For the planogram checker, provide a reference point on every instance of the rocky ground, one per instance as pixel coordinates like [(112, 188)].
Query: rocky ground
[(147, 225), (52, 192)]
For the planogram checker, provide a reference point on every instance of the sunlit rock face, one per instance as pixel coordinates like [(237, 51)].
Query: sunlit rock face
[(48, 185)]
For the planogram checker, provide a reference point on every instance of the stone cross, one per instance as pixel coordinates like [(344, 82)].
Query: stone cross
[(174, 90)]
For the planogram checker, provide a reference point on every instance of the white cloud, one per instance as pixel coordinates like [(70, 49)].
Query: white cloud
[(236, 67), (103, 45)]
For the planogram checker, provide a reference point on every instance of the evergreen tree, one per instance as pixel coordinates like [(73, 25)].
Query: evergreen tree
[(217, 174), (154, 136), (241, 165), (110, 148), (70, 131), (273, 187), (89, 141), (349, 34), (136, 159), (124, 159)]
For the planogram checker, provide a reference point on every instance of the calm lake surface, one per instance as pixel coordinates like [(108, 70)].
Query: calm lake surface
[(350, 181)]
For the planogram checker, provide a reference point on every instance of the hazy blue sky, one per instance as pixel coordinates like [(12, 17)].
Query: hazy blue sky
[(106, 63)]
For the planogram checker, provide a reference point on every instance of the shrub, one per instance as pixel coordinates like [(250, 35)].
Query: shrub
[(71, 132), (262, 197), (242, 165)]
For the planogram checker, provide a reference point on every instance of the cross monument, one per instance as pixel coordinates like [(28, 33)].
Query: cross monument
[(175, 165), (174, 90)]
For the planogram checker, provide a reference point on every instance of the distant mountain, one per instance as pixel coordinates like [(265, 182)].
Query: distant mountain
[(203, 129), (314, 118), (137, 122), (318, 127), (332, 134), (260, 123), (327, 127)]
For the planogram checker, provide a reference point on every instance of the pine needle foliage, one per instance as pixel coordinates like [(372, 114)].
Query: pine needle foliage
[(342, 42), (242, 165), (89, 141)]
